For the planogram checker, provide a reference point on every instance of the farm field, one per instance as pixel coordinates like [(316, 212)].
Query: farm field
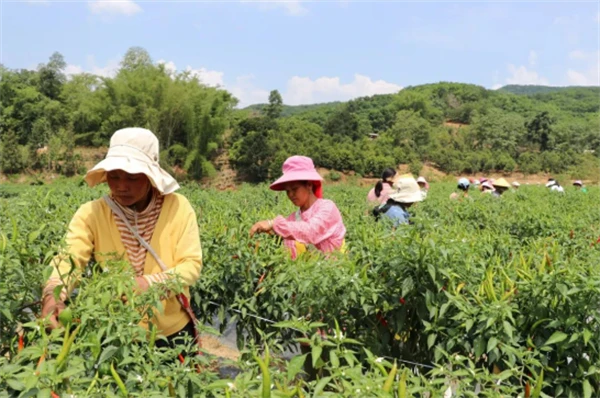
[(479, 297)]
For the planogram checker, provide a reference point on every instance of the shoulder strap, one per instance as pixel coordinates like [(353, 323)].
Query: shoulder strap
[(113, 206)]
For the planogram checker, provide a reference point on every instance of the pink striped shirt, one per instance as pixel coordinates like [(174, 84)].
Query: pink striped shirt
[(321, 226)]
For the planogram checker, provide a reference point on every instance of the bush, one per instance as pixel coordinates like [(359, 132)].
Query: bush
[(334, 176)]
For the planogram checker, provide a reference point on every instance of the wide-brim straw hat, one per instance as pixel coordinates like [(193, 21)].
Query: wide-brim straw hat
[(299, 168), (406, 190), (135, 151), (578, 182), (516, 184), (501, 183)]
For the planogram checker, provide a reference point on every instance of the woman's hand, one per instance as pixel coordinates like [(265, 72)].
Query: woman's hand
[(50, 310), (142, 284), (261, 226)]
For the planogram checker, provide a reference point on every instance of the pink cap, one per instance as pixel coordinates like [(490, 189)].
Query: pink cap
[(299, 168), (482, 180)]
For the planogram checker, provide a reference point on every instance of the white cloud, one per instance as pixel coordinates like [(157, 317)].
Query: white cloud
[(211, 78), (291, 7), (522, 75), (586, 78), (532, 58), (114, 7), (496, 86), (578, 54), (108, 70), (303, 90), (246, 92)]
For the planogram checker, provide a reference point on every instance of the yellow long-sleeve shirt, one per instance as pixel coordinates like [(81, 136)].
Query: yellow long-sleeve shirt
[(175, 239)]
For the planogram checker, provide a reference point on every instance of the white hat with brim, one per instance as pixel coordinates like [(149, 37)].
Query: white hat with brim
[(406, 190), (550, 183), (516, 184), (135, 151)]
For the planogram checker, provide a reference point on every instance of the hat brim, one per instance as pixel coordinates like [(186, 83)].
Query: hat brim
[(295, 176), (407, 197), (501, 185), (159, 178)]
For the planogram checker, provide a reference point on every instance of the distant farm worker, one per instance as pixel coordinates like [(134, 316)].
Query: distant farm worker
[(500, 186), (406, 193), (424, 185), (383, 188), (554, 186), (463, 186), (579, 186), (142, 199), (487, 187), (515, 185), (317, 224), (482, 181)]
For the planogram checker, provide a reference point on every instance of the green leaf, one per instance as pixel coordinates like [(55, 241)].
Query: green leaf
[(556, 337), (15, 384), (320, 386), (587, 389), (295, 366), (107, 353), (316, 354), (587, 335), (333, 358), (431, 340), (469, 324), (492, 343), (479, 346), (508, 329)]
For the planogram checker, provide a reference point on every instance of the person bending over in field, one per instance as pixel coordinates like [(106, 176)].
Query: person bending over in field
[(463, 186), (406, 193), (141, 197), (317, 224), (500, 186), (381, 193)]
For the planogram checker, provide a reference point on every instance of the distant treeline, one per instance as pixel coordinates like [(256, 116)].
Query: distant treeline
[(45, 114), (460, 128)]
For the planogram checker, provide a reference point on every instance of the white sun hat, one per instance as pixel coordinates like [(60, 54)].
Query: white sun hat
[(133, 150), (516, 184), (406, 190)]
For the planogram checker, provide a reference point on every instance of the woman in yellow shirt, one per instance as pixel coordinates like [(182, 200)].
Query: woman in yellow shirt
[(143, 193)]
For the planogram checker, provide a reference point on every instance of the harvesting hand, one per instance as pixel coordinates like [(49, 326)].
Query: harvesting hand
[(51, 309), (142, 284), (261, 226)]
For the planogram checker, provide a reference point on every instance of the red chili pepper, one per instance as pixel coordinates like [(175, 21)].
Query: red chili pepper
[(54, 395), (21, 343), (262, 277), (235, 257), (181, 358), (381, 320), (402, 301)]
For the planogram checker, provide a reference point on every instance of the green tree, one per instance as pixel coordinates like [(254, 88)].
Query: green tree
[(275, 107), (51, 76), (10, 155), (539, 131)]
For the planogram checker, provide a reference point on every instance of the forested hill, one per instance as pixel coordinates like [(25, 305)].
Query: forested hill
[(291, 110), (533, 89), (458, 128)]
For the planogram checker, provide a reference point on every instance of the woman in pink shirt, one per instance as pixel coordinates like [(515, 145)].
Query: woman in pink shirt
[(317, 224), (383, 188)]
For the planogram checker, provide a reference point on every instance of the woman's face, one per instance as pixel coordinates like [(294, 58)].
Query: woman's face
[(298, 192), (128, 189)]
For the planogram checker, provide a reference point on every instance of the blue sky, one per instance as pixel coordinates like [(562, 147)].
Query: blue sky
[(316, 51)]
